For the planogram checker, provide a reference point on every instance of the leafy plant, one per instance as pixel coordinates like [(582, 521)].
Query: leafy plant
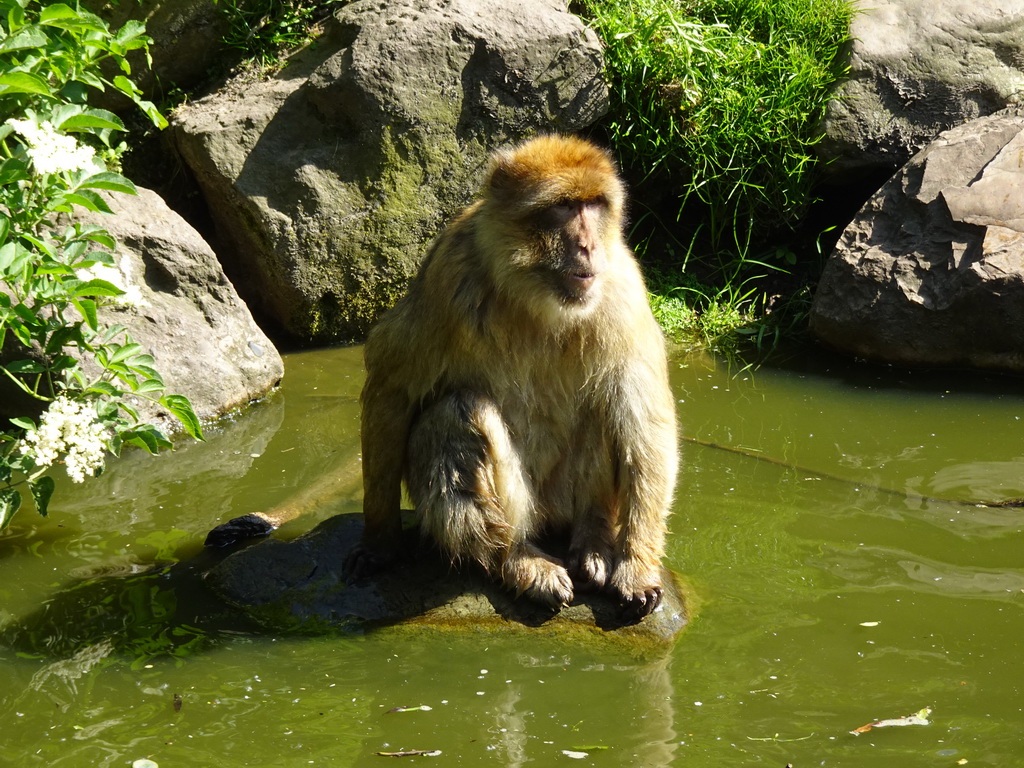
[(57, 274), (720, 101)]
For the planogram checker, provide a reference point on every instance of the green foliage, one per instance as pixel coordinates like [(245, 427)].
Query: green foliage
[(56, 274), (263, 30), (721, 102)]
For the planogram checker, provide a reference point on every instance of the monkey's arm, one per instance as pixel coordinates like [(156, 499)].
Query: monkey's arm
[(646, 455), (384, 434)]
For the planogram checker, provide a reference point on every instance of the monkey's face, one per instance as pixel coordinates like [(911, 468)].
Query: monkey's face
[(571, 256)]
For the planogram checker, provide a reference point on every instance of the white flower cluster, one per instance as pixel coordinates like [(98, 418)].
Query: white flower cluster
[(52, 151), (70, 428)]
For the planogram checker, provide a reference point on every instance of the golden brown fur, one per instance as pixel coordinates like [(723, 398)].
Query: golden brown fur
[(521, 385)]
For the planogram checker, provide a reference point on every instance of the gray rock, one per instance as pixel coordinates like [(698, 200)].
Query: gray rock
[(327, 180), (931, 271), (917, 68), (297, 585), (186, 313)]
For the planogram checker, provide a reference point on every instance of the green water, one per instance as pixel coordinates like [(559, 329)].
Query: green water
[(823, 518)]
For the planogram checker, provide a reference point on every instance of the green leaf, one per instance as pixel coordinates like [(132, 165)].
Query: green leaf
[(112, 181), (181, 409), (100, 236), (29, 37), (96, 288), (151, 385), (147, 437), (62, 337), (23, 82), (8, 252), (13, 169), (87, 199), (152, 112), (24, 366), (22, 422), (56, 11), (147, 371), (80, 22), (87, 308), (10, 500), (132, 32), (126, 351), (104, 388), (42, 490), (93, 118), (127, 87), (41, 245)]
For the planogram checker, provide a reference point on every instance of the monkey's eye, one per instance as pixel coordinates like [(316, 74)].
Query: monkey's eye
[(556, 215)]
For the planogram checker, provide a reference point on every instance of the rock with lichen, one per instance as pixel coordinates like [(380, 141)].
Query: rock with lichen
[(326, 180)]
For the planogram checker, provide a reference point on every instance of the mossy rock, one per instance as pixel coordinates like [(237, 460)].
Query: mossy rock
[(297, 585), (327, 181)]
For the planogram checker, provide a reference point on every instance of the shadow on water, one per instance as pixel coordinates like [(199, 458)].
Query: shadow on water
[(165, 611)]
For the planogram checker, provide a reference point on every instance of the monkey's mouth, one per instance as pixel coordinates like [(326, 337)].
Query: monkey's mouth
[(578, 283)]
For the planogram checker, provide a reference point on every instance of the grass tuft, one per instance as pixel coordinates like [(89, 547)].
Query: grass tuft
[(716, 108)]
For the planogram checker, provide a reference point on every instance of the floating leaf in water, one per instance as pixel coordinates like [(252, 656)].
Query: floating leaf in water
[(574, 754), (420, 708), (918, 718), (412, 753)]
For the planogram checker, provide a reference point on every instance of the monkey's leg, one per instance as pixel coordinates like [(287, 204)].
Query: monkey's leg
[(591, 554), (474, 499), (585, 487)]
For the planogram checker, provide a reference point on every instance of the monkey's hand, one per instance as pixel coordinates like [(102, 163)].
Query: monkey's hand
[(238, 529), (538, 576), (590, 570), (363, 561), (637, 585)]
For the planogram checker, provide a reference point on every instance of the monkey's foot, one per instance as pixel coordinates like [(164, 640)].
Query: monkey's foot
[(238, 529), (363, 561), (637, 586), (539, 577), (590, 570)]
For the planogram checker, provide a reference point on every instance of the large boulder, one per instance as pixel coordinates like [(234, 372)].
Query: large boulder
[(917, 68), (326, 181), (184, 311), (931, 271)]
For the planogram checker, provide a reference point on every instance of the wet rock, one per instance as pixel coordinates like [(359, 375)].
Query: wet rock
[(931, 271), (184, 311), (327, 180), (297, 585), (917, 68)]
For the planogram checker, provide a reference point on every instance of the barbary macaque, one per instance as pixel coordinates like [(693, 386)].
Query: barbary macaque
[(521, 387)]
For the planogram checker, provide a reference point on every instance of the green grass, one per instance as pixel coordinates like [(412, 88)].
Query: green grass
[(716, 108), (265, 31)]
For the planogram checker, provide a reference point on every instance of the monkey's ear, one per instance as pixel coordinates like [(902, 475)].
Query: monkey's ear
[(505, 179)]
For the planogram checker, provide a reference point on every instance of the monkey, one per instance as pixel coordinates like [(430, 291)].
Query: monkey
[(521, 386)]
